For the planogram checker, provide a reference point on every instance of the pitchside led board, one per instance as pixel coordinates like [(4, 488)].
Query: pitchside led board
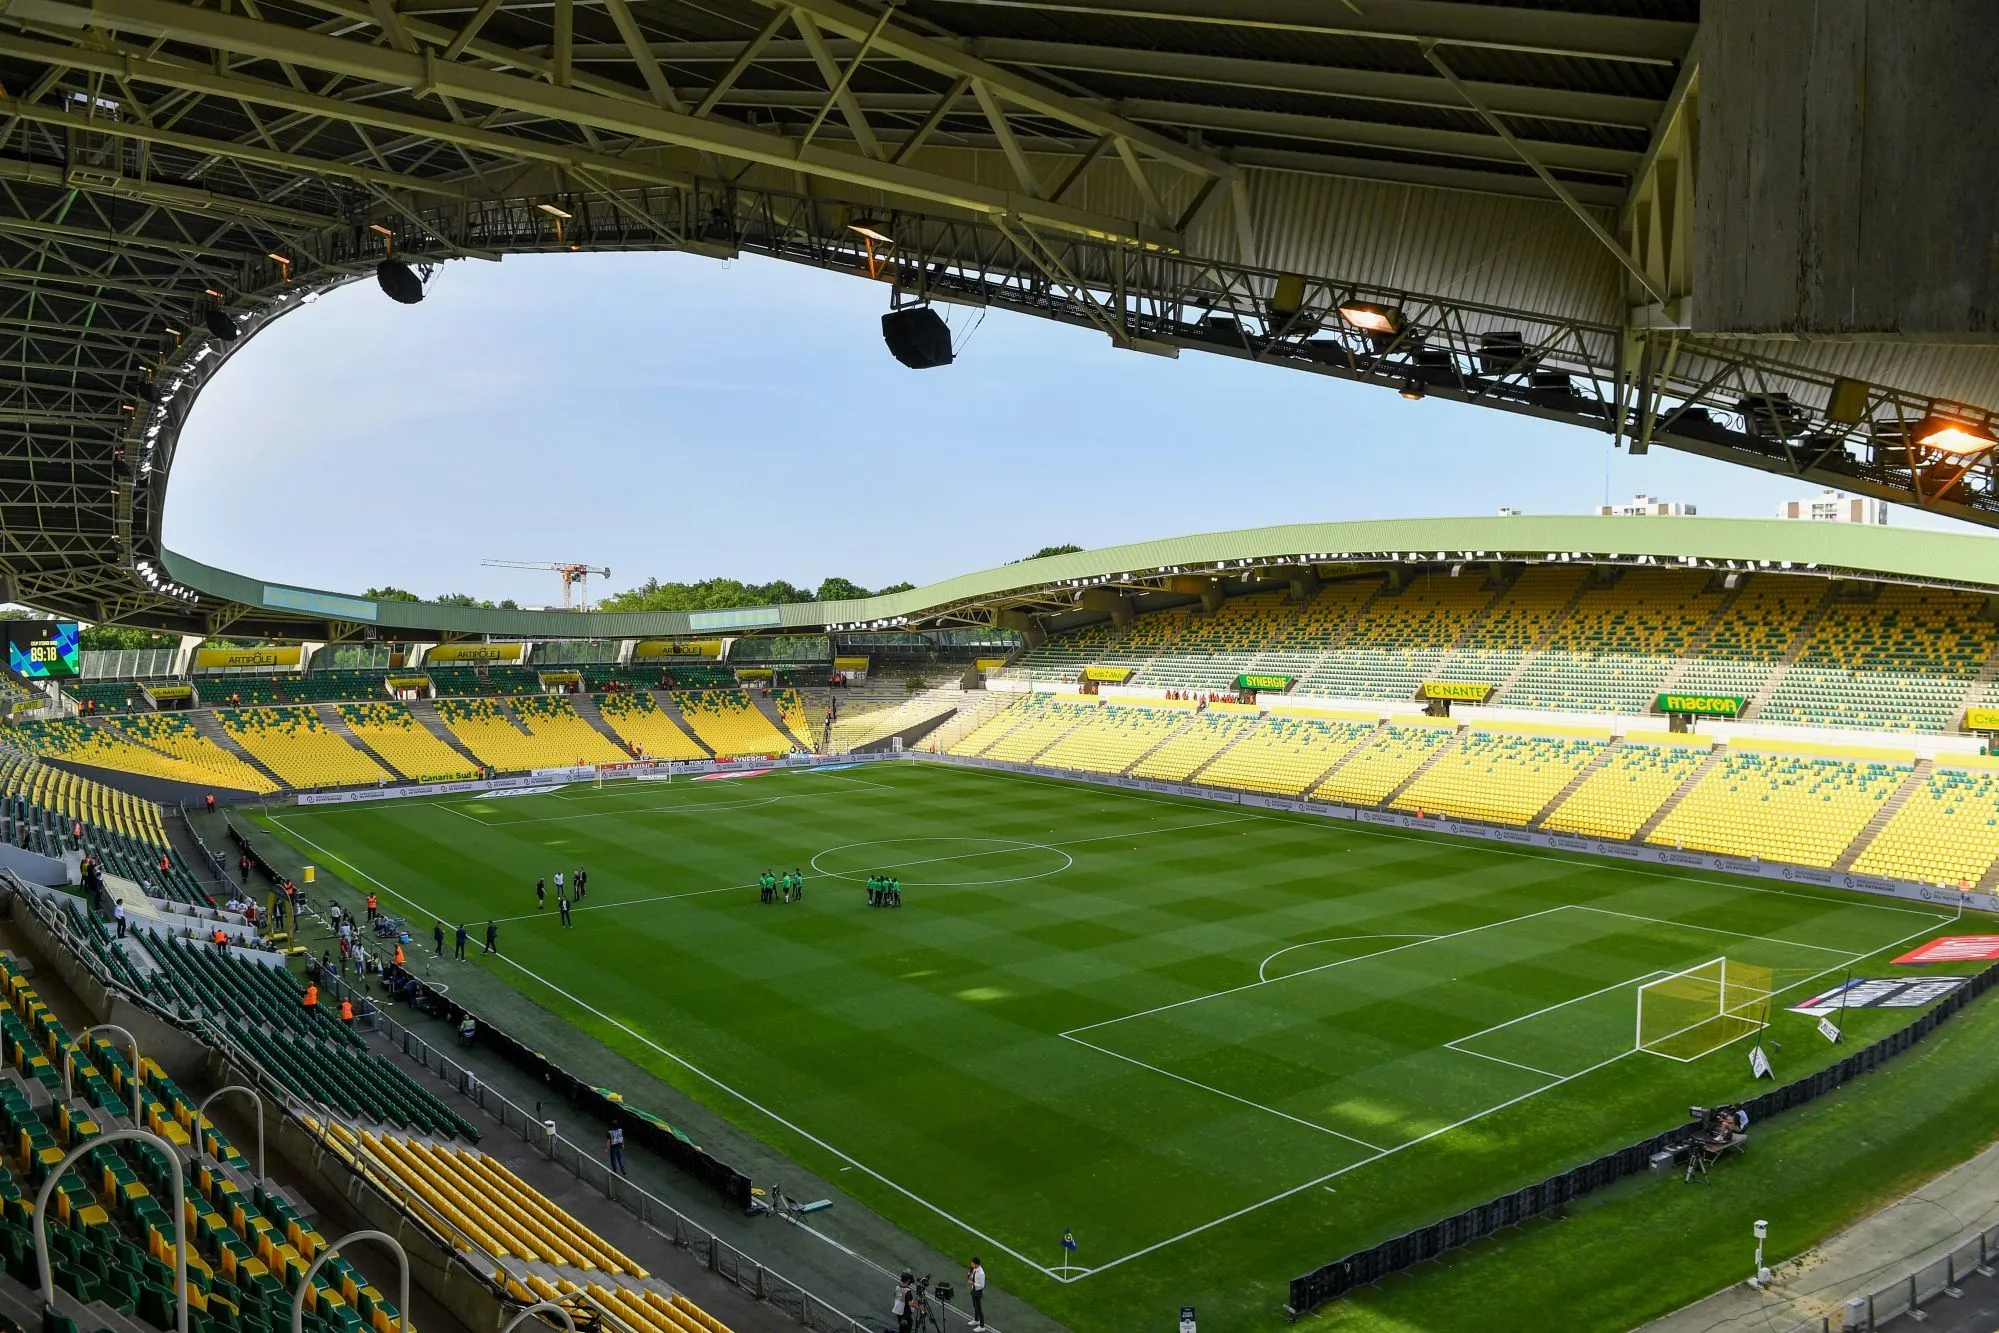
[(44, 649)]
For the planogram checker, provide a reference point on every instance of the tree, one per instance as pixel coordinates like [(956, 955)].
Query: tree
[(1047, 551), (893, 587), (113, 638), (840, 590), (392, 595)]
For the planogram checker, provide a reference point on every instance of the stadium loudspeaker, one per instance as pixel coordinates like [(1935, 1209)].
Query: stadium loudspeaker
[(918, 337), (399, 282), (221, 325)]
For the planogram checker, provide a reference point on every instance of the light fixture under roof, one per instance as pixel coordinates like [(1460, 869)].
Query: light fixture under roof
[(1954, 436), (555, 212), (1372, 318)]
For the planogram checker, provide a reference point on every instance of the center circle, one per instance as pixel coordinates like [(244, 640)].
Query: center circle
[(943, 863)]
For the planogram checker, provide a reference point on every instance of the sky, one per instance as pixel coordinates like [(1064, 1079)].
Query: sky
[(675, 417)]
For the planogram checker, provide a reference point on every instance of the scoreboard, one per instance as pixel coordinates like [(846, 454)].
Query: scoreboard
[(44, 649)]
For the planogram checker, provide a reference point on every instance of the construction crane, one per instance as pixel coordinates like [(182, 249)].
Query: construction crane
[(574, 573)]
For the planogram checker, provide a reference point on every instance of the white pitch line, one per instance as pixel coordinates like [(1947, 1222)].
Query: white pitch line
[(1306, 972), (1461, 1050), (703, 1074), (1018, 845), (1332, 939), (1716, 930), (1221, 1092), (1832, 896), (1566, 1078)]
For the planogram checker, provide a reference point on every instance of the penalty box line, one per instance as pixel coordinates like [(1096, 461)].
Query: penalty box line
[(1526, 1096), (707, 1077)]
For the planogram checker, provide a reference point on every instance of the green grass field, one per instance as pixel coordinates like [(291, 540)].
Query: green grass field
[(1221, 1046)]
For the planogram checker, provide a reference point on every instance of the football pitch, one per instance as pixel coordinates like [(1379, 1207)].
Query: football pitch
[(1218, 1046)]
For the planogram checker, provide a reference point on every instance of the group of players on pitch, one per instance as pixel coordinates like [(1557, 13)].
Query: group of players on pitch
[(883, 890)]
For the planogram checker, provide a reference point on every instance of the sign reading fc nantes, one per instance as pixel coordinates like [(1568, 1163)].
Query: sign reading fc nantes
[(1466, 691), (1704, 705)]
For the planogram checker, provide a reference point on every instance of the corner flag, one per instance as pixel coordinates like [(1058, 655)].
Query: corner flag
[(1068, 1239)]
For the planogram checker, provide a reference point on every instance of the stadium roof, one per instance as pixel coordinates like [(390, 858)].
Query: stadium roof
[(1060, 583), (1516, 180)]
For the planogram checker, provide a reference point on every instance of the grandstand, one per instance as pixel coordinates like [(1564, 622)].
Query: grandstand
[(1783, 804), (294, 744), (1286, 756), (405, 744), (642, 724), (555, 724), (1634, 782), (1503, 776), (729, 724)]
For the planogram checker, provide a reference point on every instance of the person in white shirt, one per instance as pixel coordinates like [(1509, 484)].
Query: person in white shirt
[(900, 1307), (975, 1282)]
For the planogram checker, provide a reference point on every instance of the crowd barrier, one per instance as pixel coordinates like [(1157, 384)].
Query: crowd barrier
[(1364, 1267), (1935, 894), (717, 1175)]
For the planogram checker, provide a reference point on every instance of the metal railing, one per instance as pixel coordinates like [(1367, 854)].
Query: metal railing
[(718, 1255)]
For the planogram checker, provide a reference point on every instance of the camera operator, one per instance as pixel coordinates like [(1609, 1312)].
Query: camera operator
[(975, 1283), (905, 1295)]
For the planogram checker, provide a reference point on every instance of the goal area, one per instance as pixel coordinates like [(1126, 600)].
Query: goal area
[(1690, 1014)]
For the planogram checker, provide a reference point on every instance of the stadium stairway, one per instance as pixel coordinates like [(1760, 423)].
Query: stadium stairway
[(767, 705), (1806, 629), (586, 708), (1388, 801), (1889, 809), (1981, 685), (1575, 783), (203, 721), (1644, 831), (1215, 758), (329, 717), (1533, 652), (425, 712), (1699, 642)]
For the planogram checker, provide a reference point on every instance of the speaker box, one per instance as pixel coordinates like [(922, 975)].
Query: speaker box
[(918, 337)]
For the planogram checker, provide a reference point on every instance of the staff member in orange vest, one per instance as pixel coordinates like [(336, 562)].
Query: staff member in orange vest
[(347, 1011), (311, 1000), (221, 938), (371, 907), (399, 953)]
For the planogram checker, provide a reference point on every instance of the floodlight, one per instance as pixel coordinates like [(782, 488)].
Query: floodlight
[(555, 212), (399, 282), (1950, 435), (1412, 390), (1372, 318), (380, 230)]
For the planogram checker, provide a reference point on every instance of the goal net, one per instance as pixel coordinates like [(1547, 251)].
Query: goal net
[(1691, 1013)]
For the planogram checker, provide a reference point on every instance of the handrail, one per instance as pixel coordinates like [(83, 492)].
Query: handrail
[(69, 1065), (202, 1110), (305, 1283), (47, 1274), (539, 1306)]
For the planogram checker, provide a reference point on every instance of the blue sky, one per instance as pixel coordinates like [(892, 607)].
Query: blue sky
[(676, 417)]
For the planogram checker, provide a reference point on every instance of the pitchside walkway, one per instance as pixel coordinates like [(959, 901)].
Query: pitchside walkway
[(1913, 1231)]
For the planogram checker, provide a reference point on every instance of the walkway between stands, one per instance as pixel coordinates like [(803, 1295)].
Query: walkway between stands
[(1915, 1230)]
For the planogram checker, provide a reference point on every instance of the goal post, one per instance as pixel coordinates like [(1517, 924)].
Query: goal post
[(1700, 1010)]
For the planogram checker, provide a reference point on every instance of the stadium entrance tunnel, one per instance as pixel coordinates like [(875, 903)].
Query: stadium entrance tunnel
[(943, 862)]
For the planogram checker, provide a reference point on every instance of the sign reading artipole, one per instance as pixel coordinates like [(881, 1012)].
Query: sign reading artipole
[(1466, 691), (475, 652), (1703, 705)]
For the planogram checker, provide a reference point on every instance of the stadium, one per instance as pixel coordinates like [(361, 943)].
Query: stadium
[(1399, 923)]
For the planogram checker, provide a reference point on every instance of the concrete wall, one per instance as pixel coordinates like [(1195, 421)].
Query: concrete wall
[(1847, 159)]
